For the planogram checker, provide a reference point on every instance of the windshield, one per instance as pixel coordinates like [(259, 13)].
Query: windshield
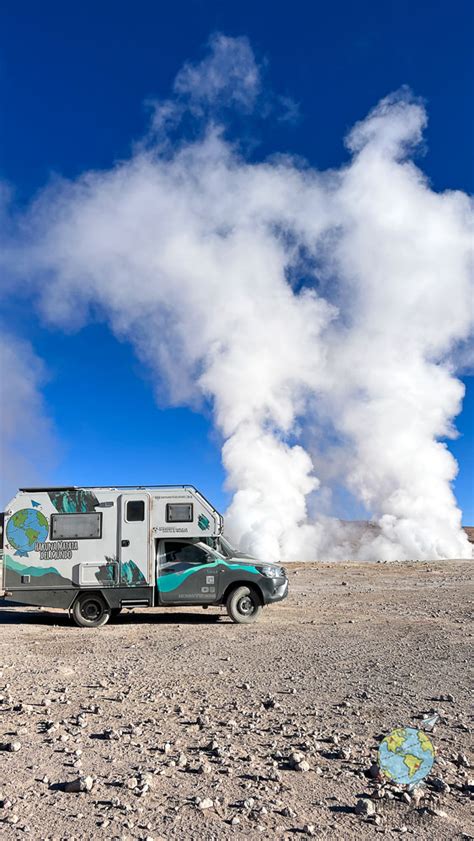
[(226, 547), (211, 550)]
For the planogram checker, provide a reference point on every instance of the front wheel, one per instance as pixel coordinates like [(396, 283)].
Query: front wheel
[(244, 605), (90, 611)]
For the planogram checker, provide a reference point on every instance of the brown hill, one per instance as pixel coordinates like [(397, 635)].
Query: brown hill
[(359, 529), (470, 533)]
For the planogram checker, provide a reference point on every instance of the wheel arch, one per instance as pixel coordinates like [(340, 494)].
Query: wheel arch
[(244, 582), (94, 591)]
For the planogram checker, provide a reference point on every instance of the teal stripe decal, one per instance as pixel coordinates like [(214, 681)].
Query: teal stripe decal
[(167, 583), (23, 569)]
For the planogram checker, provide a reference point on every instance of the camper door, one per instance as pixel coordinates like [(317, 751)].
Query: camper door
[(134, 543)]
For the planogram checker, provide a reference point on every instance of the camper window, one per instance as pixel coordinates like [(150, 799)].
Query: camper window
[(177, 512), (76, 526), (135, 511)]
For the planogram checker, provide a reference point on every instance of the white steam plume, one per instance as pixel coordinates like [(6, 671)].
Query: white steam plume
[(405, 261), (27, 441), (275, 292)]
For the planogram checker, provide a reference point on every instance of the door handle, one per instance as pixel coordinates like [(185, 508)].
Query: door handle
[(125, 543)]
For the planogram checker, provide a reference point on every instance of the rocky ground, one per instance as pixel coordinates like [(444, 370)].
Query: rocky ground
[(181, 725)]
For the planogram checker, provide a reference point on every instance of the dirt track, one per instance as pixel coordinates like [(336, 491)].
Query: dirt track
[(167, 707)]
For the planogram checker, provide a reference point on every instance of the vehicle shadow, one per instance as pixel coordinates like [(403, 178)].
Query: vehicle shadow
[(43, 617)]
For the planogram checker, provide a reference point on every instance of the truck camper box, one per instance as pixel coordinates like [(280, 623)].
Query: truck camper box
[(96, 550)]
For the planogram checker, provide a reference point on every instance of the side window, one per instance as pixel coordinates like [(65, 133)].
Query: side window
[(172, 548), (179, 512), (135, 511), (184, 553), (76, 526)]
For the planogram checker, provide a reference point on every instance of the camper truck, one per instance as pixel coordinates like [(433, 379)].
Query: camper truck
[(95, 551)]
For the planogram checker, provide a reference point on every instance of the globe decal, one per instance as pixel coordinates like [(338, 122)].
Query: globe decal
[(25, 528), (406, 755)]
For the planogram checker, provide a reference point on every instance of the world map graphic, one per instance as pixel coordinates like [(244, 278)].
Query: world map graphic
[(25, 528), (406, 755)]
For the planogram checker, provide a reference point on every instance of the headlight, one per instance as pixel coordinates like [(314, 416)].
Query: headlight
[(271, 572)]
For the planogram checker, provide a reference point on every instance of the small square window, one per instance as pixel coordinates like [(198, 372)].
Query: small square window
[(135, 511), (179, 512)]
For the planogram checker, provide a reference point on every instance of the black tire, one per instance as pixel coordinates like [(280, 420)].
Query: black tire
[(90, 611), (244, 605)]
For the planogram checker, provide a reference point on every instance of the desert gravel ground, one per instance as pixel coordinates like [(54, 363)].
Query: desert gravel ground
[(181, 725)]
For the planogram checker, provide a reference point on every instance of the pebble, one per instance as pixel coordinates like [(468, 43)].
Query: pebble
[(298, 762), (302, 766), (374, 771), (81, 784), (12, 747), (111, 735), (438, 784), (365, 807), (417, 795), (270, 703), (438, 813), (203, 768), (207, 803)]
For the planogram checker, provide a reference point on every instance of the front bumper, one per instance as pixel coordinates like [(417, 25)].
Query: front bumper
[(274, 589)]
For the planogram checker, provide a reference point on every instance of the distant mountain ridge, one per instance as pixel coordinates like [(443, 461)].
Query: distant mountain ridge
[(470, 533), (358, 532)]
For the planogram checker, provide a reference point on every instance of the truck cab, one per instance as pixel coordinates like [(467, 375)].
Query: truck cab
[(194, 572)]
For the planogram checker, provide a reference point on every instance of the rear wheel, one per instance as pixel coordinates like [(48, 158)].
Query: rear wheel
[(244, 605), (91, 611)]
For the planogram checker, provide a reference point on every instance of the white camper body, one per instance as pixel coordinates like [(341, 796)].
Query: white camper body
[(58, 537)]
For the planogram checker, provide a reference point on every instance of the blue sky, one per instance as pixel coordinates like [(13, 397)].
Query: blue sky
[(74, 80)]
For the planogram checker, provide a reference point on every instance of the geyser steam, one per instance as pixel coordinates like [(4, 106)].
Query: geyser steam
[(294, 302)]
